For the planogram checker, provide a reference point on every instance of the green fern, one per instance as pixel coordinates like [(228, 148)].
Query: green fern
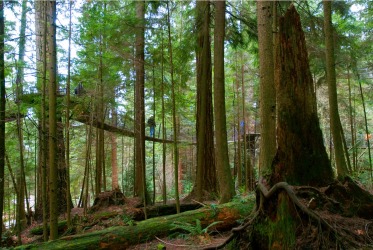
[(193, 229)]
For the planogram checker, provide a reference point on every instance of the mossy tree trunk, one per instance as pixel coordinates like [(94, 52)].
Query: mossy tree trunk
[(121, 237)]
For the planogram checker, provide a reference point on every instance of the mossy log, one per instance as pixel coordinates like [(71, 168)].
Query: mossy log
[(121, 237)]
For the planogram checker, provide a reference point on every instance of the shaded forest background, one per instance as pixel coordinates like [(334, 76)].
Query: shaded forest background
[(98, 140)]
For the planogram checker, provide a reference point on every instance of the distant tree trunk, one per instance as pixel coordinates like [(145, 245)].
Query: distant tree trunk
[(100, 133), (140, 174), (206, 182), (100, 146), (67, 120), (21, 215), (53, 168), (239, 131), (352, 128), (267, 88), (366, 128), (164, 185), (114, 154), (341, 155), (226, 184), (41, 26), (2, 113)]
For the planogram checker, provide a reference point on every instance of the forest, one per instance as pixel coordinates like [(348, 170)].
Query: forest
[(186, 124)]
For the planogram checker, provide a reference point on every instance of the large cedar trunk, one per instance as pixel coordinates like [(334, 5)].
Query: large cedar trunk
[(301, 158)]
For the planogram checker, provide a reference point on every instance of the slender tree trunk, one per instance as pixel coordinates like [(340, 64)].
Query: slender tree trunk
[(67, 120), (244, 137), (21, 216), (52, 91), (239, 132), (100, 118), (44, 136), (140, 176), (366, 128), (2, 113), (267, 88), (226, 185), (341, 156), (164, 189), (352, 129), (153, 145), (174, 119), (114, 153)]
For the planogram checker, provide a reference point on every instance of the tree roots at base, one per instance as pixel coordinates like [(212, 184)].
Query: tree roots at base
[(337, 216)]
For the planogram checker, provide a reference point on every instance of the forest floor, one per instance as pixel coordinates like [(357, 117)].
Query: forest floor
[(104, 215), (344, 211)]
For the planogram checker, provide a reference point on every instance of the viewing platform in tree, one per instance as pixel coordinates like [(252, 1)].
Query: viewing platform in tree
[(33, 97)]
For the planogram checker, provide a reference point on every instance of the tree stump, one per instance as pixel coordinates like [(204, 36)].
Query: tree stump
[(106, 199)]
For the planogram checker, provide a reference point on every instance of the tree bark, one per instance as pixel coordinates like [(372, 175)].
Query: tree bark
[(21, 215), (206, 182), (67, 124), (301, 156), (267, 90), (53, 168), (226, 185), (140, 175)]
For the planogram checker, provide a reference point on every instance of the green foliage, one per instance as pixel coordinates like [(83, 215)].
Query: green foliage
[(160, 246), (128, 220), (194, 230)]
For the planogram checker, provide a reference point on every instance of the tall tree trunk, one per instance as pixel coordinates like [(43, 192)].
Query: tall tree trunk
[(239, 127), (140, 175), (246, 159), (52, 91), (206, 181), (21, 216), (42, 25), (67, 120), (164, 185), (226, 185), (341, 155), (2, 113), (267, 88), (174, 118), (100, 133)]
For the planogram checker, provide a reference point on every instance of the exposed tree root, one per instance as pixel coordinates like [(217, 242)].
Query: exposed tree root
[(323, 222)]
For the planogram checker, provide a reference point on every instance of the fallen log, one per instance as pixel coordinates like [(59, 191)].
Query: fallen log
[(120, 237)]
